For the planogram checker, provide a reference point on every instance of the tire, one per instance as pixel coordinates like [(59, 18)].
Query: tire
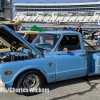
[(34, 80)]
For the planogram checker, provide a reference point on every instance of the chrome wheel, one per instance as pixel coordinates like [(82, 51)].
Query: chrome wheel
[(31, 81)]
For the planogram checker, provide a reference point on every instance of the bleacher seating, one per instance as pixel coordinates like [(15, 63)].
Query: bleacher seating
[(26, 18), (46, 18), (63, 19), (66, 19), (94, 18), (15, 19), (53, 18), (33, 18), (40, 18), (73, 19), (79, 18), (20, 18), (86, 19), (60, 18)]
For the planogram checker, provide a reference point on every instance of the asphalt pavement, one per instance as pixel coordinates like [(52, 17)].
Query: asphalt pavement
[(85, 88)]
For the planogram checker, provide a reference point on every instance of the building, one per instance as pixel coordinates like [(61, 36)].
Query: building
[(58, 13), (60, 8), (6, 10)]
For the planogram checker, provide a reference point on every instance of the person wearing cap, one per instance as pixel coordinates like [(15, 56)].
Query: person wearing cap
[(19, 27), (70, 29), (79, 29), (65, 29)]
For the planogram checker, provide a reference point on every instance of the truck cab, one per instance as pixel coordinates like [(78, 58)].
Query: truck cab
[(74, 56), (69, 53)]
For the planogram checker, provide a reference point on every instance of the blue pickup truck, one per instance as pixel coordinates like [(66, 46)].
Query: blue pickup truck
[(52, 56)]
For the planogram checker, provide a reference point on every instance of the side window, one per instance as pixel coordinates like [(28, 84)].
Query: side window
[(28, 38), (32, 36), (71, 42), (12, 27)]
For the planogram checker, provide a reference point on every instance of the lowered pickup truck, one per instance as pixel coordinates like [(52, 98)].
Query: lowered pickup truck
[(52, 56)]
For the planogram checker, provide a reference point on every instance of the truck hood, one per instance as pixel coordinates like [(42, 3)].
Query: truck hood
[(15, 39)]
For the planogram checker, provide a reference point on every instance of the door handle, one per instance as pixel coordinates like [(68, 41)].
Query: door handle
[(83, 54)]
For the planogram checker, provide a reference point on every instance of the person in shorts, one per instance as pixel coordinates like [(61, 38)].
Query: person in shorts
[(92, 36)]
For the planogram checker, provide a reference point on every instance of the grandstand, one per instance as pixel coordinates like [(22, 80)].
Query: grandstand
[(16, 18), (80, 18), (26, 18), (33, 19), (60, 18), (20, 18), (73, 13), (72, 18), (94, 18), (40, 19), (53, 19), (46, 18), (63, 19)]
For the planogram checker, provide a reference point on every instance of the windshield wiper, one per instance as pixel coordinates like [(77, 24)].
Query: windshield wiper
[(89, 44)]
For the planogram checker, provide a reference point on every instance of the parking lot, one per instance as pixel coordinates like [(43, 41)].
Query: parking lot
[(85, 88), (89, 41)]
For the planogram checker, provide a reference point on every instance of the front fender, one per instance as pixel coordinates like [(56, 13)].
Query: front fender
[(28, 68), (17, 67)]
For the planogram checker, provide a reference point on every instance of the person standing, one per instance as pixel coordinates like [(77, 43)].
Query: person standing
[(65, 29), (79, 29), (98, 41), (92, 37)]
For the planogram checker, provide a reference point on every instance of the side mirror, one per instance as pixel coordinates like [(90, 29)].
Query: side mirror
[(65, 50)]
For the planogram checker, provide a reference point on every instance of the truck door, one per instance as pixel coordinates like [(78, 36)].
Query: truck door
[(70, 64)]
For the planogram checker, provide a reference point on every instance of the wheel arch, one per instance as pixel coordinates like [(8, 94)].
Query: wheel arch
[(44, 77)]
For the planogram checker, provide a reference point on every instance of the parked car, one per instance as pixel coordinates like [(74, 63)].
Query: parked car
[(87, 34), (95, 35), (28, 35), (14, 27), (52, 56)]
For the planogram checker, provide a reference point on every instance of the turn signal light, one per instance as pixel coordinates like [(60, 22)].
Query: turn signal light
[(8, 72)]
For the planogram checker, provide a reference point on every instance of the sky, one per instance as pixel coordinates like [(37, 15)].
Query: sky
[(52, 1)]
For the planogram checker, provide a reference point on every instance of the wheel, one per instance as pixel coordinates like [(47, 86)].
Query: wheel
[(30, 80)]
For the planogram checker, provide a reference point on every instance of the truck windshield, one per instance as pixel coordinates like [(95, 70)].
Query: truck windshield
[(46, 41)]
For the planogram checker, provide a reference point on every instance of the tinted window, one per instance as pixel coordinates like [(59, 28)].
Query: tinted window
[(71, 42), (30, 37), (12, 27)]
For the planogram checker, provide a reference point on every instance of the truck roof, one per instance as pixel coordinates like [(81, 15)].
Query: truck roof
[(60, 32)]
